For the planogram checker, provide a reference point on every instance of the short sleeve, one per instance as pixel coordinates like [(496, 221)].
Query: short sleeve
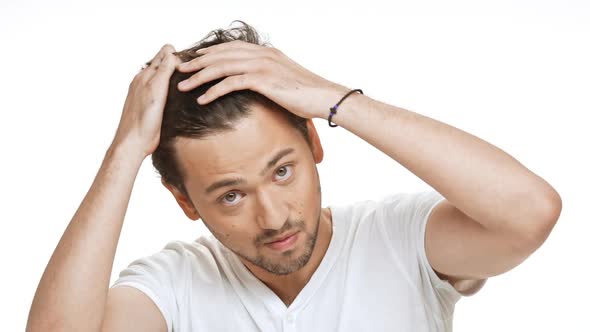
[(402, 218), (153, 275)]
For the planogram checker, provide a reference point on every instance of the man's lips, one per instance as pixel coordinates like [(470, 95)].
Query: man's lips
[(281, 238)]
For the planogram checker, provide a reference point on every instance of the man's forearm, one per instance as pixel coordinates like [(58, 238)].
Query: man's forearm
[(72, 292), (478, 178)]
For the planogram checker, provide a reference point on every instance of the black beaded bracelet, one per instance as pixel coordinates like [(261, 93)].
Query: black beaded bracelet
[(333, 108)]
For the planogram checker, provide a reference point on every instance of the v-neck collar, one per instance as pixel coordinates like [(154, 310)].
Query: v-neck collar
[(272, 302)]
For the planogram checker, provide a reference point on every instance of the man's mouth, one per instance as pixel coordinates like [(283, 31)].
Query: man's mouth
[(281, 238), (283, 242)]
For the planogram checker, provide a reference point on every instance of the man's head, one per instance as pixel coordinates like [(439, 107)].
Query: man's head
[(242, 135)]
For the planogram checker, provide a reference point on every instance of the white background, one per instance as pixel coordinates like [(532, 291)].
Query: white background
[(514, 73)]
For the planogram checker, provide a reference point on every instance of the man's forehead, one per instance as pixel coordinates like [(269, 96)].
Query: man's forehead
[(246, 149), (258, 135), (214, 159), (207, 168), (215, 183), (230, 148), (212, 171)]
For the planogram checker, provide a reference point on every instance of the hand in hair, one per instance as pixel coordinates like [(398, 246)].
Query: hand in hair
[(142, 113), (265, 70)]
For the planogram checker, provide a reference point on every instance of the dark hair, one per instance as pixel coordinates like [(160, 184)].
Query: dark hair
[(184, 117)]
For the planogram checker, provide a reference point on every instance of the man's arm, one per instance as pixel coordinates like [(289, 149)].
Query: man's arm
[(129, 309), (496, 212), (72, 294), (73, 290)]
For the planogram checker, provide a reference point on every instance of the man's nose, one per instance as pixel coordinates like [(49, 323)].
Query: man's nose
[(271, 213)]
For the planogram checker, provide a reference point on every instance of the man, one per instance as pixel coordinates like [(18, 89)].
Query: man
[(243, 160)]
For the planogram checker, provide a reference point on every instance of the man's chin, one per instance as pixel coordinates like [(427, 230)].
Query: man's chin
[(284, 269)]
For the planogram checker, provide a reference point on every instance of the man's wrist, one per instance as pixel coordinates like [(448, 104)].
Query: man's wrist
[(332, 95), (126, 152), (351, 102)]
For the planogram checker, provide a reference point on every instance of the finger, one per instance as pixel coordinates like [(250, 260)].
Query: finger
[(213, 72), (232, 83), (166, 68), (234, 44), (204, 61), (155, 63)]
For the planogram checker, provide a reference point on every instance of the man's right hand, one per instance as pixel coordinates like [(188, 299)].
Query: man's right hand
[(141, 119)]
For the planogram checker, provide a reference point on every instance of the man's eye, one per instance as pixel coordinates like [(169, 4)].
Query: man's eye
[(285, 172), (231, 199)]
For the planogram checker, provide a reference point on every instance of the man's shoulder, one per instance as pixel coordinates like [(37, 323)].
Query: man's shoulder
[(201, 250), (364, 207), (180, 256)]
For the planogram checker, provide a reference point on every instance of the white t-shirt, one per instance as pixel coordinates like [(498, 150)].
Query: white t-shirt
[(374, 277)]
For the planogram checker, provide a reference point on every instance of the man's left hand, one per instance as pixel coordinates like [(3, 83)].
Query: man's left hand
[(265, 70)]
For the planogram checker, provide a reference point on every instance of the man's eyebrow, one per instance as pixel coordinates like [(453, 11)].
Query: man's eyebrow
[(237, 181)]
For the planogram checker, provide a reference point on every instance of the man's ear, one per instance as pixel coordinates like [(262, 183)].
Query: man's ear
[(316, 145), (183, 201)]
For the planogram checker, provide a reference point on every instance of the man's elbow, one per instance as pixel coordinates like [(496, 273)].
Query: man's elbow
[(545, 219)]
